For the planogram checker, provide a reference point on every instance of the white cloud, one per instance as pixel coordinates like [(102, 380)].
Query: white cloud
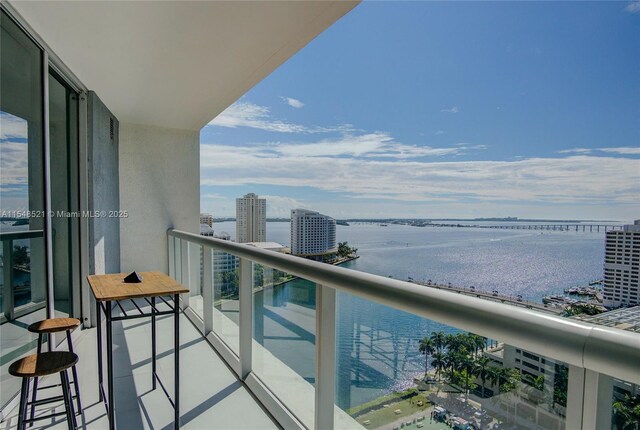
[(633, 7), (575, 151), (246, 114), (280, 207), (294, 103), (622, 150), (570, 180), (12, 127), (378, 145), (453, 109), (625, 150), (439, 132), (13, 163)]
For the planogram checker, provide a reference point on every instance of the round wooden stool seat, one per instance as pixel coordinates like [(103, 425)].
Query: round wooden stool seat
[(54, 325), (45, 363)]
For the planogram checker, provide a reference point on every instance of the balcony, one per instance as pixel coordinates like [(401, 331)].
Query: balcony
[(211, 393), (282, 354), (293, 347), (277, 344)]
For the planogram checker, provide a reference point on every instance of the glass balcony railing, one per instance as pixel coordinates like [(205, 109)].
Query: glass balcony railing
[(327, 347)]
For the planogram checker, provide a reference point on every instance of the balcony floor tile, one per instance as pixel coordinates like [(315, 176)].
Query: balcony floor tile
[(212, 397)]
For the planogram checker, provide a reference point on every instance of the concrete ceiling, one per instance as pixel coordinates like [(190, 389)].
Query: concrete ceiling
[(176, 64)]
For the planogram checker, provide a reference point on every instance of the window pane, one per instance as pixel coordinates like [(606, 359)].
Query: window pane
[(21, 198)]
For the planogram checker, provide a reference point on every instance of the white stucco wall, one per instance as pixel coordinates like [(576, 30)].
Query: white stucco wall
[(160, 189)]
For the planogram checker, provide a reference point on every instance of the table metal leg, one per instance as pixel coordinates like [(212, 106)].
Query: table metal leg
[(111, 411), (176, 352), (153, 343), (99, 333)]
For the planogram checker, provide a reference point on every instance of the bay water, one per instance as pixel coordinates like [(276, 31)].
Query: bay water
[(377, 346)]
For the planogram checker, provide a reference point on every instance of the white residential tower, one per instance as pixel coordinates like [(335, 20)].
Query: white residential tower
[(621, 264), (251, 219), (312, 234)]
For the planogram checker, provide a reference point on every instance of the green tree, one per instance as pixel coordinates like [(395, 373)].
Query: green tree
[(439, 340), (468, 364), (627, 412), (21, 256), (439, 362), (510, 378), (482, 371), (426, 348), (560, 384)]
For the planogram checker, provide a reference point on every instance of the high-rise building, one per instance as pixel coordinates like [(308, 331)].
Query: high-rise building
[(251, 219), (312, 234), (621, 264), (206, 219)]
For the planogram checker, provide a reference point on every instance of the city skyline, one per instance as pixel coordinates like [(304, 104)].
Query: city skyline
[(390, 113)]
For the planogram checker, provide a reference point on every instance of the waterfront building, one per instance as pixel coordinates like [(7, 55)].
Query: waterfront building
[(312, 234), (251, 219), (207, 219), (621, 266)]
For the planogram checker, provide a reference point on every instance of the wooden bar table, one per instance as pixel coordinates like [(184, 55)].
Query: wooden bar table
[(109, 291)]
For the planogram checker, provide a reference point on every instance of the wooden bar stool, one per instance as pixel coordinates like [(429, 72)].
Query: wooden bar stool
[(56, 325), (36, 366)]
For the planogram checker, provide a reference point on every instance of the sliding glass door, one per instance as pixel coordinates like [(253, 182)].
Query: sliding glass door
[(30, 288), (63, 138)]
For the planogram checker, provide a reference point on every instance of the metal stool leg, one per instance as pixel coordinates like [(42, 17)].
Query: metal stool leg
[(35, 385), (68, 401), (76, 383), (24, 395)]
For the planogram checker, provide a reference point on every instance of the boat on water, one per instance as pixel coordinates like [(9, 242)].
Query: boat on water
[(558, 299)]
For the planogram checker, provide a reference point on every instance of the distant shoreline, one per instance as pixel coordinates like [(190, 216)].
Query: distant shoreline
[(388, 220)]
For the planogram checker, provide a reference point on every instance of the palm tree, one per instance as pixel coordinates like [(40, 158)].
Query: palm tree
[(479, 343), (426, 348), (439, 361), (494, 374), (467, 362), (483, 371), (439, 340)]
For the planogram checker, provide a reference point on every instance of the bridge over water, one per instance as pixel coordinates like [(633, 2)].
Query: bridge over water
[(552, 227)]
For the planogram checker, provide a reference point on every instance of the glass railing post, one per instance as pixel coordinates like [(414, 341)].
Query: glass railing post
[(588, 399), (598, 395), (207, 289), (185, 271), (7, 256), (325, 356), (246, 316), (575, 397)]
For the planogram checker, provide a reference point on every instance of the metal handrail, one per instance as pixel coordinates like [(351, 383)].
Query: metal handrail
[(601, 349)]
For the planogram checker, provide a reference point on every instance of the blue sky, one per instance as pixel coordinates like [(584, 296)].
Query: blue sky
[(443, 109)]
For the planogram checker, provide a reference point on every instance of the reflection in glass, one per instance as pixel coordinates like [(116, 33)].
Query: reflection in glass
[(226, 302), (63, 136), (284, 354), (399, 370), (21, 198)]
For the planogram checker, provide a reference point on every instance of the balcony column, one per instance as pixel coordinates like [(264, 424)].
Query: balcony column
[(325, 356), (246, 316)]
